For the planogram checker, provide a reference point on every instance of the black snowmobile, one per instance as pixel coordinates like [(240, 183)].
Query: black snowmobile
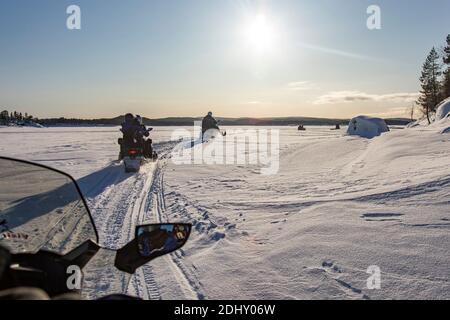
[(134, 149), (49, 244)]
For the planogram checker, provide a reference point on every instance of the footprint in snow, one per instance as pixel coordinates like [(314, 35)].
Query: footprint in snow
[(333, 271), (216, 236), (382, 216), (278, 221), (330, 265)]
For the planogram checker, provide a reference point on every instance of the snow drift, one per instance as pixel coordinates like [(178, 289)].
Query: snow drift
[(443, 110), (366, 127)]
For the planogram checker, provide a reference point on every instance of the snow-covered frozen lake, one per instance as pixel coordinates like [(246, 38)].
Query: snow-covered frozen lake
[(337, 206)]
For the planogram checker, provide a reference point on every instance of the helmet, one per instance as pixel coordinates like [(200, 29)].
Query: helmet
[(210, 113), (129, 117)]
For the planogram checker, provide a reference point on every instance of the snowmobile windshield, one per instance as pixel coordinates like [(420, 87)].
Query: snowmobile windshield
[(41, 209)]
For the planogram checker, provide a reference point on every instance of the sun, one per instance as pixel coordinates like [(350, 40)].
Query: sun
[(259, 33)]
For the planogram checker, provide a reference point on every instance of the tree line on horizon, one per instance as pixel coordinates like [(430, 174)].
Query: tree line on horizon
[(434, 80), (15, 117)]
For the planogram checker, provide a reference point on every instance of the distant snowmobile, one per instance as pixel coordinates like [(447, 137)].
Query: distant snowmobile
[(210, 128)]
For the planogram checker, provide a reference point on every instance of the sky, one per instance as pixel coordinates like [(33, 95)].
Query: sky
[(237, 58)]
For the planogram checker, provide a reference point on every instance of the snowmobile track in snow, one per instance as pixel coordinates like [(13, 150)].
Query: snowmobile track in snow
[(120, 201), (118, 209), (185, 276)]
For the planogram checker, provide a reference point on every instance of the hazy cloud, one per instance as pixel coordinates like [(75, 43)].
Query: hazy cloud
[(395, 112), (356, 96), (252, 102), (337, 52), (301, 85)]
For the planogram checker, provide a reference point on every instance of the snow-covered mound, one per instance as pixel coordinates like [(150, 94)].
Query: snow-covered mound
[(366, 127), (443, 110), (419, 122)]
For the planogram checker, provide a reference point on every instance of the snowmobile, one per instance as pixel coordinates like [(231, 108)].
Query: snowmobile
[(212, 133), (134, 153), (49, 244)]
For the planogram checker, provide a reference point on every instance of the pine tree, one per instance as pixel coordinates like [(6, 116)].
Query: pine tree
[(4, 117), (446, 60), (430, 94)]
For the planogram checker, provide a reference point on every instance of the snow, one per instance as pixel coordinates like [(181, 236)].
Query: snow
[(338, 205), (366, 127), (443, 110)]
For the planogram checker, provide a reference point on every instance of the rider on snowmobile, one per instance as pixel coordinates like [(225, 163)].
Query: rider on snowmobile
[(209, 123), (142, 133), (141, 129), (129, 128), (134, 134)]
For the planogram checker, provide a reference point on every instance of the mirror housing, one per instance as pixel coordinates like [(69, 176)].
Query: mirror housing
[(151, 241)]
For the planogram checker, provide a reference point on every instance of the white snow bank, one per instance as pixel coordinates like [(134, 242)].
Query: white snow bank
[(443, 125), (443, 110), (420, 122), (35, 125), (442, 117), (367, 127)]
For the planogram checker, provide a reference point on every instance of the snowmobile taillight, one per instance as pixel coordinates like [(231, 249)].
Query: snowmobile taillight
[(132, 152)]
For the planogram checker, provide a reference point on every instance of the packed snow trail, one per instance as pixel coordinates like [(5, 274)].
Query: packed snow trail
[(119, 202), (186, 278)]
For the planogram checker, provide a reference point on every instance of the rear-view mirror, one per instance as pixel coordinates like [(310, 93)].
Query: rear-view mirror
[(151, 241)]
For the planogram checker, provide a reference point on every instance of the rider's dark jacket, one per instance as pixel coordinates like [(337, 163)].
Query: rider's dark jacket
[(209, 123), (129, 130)]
